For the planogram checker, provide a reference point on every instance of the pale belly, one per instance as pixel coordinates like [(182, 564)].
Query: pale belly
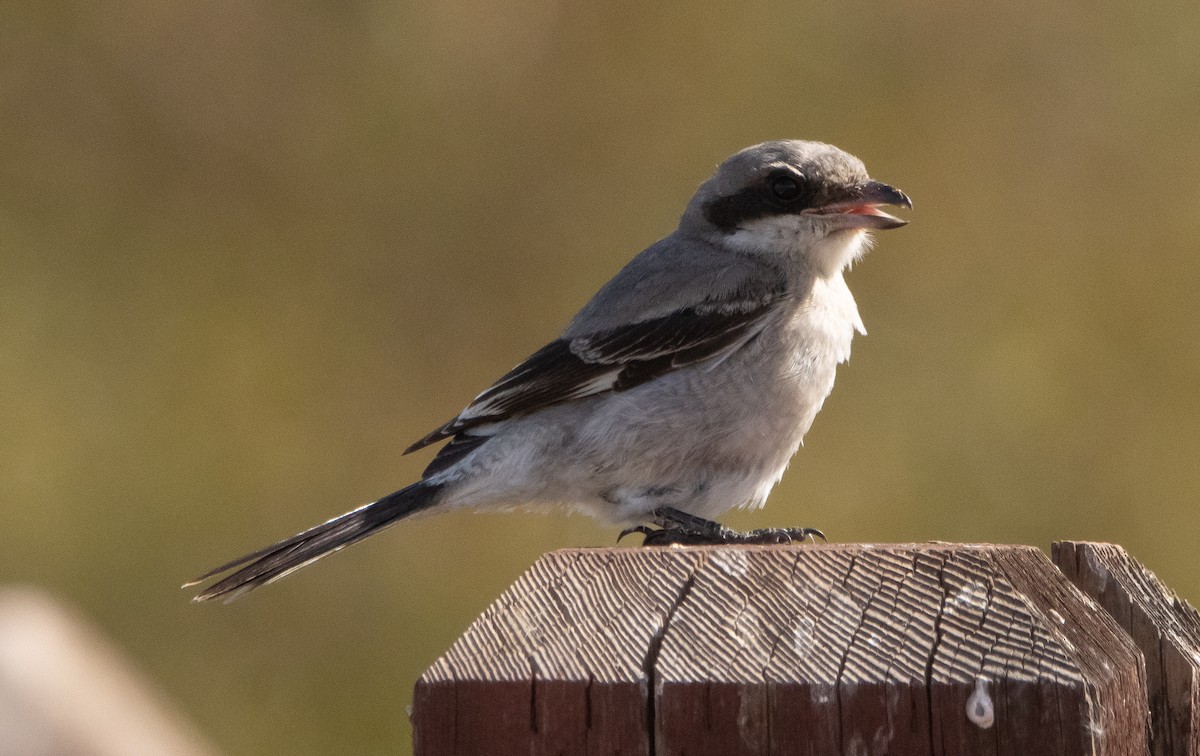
[(707, 440)]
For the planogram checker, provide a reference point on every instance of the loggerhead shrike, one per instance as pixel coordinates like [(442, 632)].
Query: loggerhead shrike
[(679, 391)]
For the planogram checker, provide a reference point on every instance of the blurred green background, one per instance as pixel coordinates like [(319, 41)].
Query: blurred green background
[(250, 251)]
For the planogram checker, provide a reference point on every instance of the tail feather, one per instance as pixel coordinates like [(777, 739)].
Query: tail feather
[(269, 564)]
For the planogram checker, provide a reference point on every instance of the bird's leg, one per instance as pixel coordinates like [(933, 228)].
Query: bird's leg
[(676, 527)]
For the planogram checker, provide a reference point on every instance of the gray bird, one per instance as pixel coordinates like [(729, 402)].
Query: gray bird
[(681, 390)]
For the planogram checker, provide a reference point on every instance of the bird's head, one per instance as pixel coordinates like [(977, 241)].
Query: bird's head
[(794, 198)]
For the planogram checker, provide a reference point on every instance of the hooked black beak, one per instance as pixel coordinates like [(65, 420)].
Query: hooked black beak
[(880, 193), (861, 208)]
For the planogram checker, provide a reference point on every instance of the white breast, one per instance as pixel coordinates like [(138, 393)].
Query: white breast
[(815, 340), (824, 325)]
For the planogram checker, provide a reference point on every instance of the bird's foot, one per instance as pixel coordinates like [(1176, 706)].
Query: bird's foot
[(680, 528)]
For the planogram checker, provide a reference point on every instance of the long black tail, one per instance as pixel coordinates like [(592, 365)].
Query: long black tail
[(269, 564)]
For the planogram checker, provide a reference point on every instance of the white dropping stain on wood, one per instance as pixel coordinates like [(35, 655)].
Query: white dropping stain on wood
[(732, 562), (1057, 617), (802, 637), (973, 594), (857, 745), (980, 709)]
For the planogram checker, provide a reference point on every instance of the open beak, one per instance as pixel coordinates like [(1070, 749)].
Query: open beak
[(862, 208)]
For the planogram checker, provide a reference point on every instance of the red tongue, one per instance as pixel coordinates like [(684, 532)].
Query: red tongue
[(864, 210)]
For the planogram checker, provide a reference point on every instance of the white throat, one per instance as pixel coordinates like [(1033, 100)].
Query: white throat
[(803, 237)]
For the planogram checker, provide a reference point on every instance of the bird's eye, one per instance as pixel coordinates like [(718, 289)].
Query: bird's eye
[(785, 187)]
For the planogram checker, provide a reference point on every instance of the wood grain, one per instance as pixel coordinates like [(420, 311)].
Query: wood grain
[(558, 663), (878, 649), (830, 649), (1165, 627)]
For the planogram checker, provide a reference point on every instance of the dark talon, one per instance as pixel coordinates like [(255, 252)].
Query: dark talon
[(644, 530)]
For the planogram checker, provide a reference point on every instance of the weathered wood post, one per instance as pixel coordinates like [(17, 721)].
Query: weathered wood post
[(827, 649), (1165, 629)]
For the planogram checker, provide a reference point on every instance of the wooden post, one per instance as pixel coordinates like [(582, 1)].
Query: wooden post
[(826, 649), (1165, 628)]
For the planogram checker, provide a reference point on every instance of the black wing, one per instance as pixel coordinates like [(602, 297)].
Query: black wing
[(612, 360)]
